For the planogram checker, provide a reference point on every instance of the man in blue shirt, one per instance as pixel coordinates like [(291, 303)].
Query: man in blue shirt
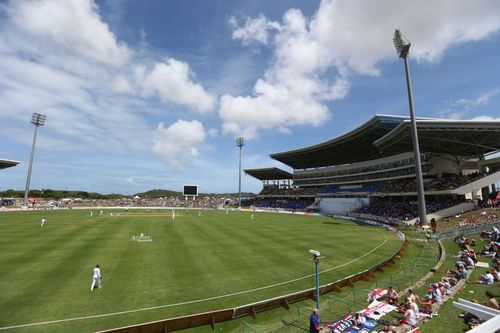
[(314, 322)]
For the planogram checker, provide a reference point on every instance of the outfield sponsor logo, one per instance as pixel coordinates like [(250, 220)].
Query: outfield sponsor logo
[(141, 238)]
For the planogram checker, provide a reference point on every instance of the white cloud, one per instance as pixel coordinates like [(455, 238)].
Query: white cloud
[(61, 59), (289, 94), (213, 132), (254, 31), (172, 82), (359, 33), (120, 84), (313, 58), (485, 118), (73, 25), (460, 108), (178, 143), (482, 99)]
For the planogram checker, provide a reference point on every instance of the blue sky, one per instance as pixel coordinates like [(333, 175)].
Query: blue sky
[(152, 94)]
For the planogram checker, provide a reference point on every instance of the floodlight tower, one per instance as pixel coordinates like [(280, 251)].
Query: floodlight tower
[(38, 120), (240, 142), (403, 49)]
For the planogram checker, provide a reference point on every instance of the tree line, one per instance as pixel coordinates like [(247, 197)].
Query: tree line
[(60, 194)]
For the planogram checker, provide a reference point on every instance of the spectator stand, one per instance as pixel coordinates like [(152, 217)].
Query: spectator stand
[(273, 179)]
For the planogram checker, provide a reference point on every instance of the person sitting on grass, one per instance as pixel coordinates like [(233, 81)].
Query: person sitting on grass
[(392, 296), (469, 263), (427, 305), (457, 275), (486, 278), (411, 295), (446, 285), (494, 263), (413, 305), (437, 297), (359, 320), (460, 263), (496, 274), (489, 249), (409, 318), (473, 256)]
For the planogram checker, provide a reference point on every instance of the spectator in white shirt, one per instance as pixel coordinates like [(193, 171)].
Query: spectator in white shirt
[(486, 278)]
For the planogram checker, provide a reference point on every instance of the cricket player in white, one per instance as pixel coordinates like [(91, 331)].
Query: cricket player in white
[(96, 278)]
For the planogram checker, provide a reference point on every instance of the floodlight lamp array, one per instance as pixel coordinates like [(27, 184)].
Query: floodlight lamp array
[(240, 142), (38, 119), (402, 44)]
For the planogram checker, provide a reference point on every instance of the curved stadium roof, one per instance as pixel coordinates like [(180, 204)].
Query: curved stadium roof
[(454, 137), (4, 163), (385, 135), (269, 174)]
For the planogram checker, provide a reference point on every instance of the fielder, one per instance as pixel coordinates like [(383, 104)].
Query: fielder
[(96, 279)]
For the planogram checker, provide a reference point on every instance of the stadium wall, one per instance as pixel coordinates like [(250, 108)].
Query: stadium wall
[(341, 205), (451, 211)]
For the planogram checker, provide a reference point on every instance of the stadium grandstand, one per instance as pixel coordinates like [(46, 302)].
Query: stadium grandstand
[(4, 163), (370, 170)]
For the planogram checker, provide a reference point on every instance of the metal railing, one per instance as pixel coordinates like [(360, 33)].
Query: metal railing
[(469, 230)]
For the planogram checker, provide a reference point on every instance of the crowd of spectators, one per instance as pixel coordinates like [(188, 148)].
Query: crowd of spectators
[(367, 188), (402, 209), (468, 258), (450, 181), (173, 201), (416, 309), (445, 182), (285, 204), (291, 191)]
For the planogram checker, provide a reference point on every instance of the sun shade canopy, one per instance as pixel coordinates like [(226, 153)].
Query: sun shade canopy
[(269, 174), (386, 135)]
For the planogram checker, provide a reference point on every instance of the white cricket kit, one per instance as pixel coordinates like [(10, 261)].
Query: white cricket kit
[(96, 279)]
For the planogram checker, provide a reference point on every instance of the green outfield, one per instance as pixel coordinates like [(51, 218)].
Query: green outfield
[(193, 264)]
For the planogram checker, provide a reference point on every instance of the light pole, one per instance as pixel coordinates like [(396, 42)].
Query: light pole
[(403, 49), (316, 255), (240, 142), (37, 120)]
